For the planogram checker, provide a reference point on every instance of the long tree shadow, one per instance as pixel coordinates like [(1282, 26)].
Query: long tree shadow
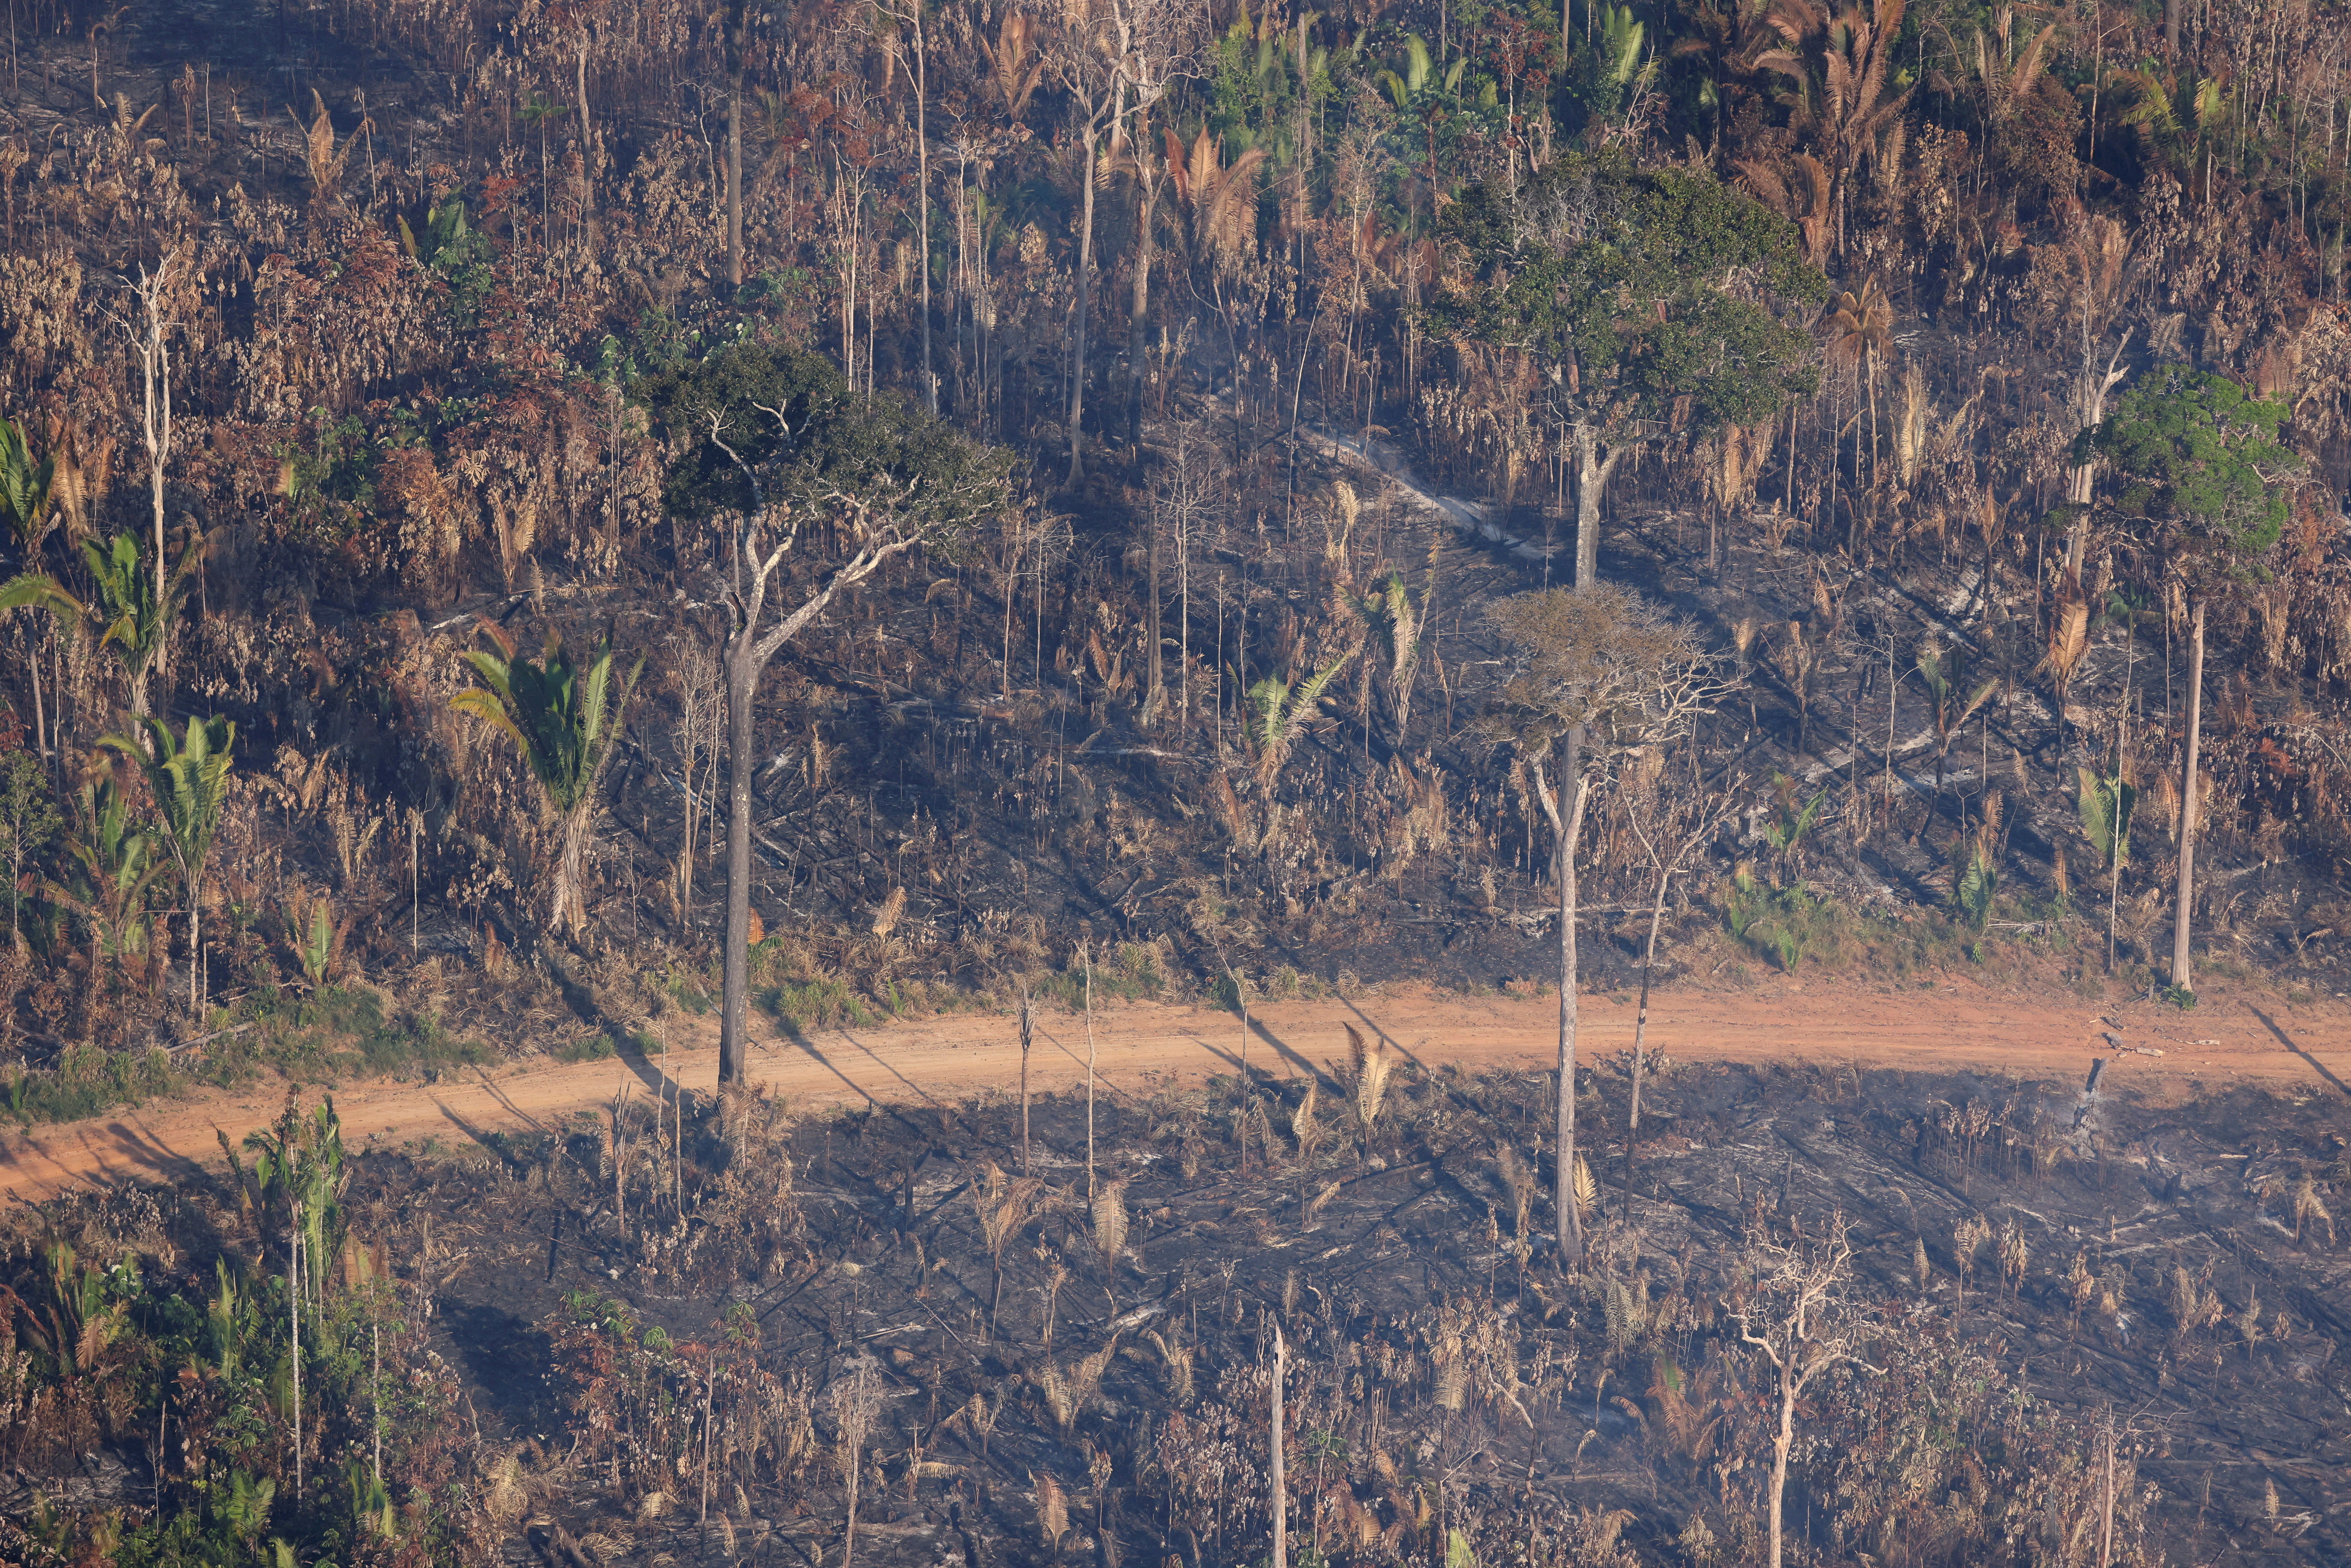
[(2288, 1041)]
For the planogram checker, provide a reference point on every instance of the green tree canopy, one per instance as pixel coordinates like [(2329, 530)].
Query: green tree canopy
[(1652, 293), (2197, 470), (795, 420)]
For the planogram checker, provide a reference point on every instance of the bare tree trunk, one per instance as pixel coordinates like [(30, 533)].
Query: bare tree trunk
[(2106, 1514), (1147, 207), (1088, 952), (1567, 825), (2171, 28), (567, 911), (1782, 1441), (733, 1017), (2181, 976), (735, 169), (294, 1323), (1155, 697), (1640, 1029), (1027, 1035), (2080, 477), (1592, 475), (587, 137), (1280, 1487), (1085, 298), (922, 160)]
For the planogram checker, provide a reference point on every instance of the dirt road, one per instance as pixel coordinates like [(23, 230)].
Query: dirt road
[(1142, 1047)]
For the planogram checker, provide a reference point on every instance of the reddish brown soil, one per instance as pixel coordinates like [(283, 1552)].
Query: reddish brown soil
[(1944, 1026)]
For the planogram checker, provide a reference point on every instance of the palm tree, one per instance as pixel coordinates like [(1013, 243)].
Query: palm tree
[(1839, 99), (188, 776), (563, 720), (1219, 198), (1860, 331), (1279, 712), (137, 610), (1393, 625)]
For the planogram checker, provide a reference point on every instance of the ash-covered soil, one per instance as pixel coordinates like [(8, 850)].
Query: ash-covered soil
[(1442, 1376)]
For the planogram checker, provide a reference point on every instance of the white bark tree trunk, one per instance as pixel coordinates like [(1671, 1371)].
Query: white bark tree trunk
[(2182, 975)]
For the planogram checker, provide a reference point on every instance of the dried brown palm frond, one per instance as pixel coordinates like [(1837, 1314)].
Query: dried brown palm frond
[(2069, 640), (1068, 1391), (325, 159), (1369, 1064), (1219, 200), (1003, 1206), (1109, 1216), (1052, 1510), (1805, 194), (1911, 425), (1303, 1124), (1521, 1182), (2309, 1209), (1015, 64), (1178, 1360), (1586, 1190)]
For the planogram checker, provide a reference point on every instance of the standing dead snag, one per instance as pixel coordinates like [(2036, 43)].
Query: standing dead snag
[(855, 1401), (1597, 673), (162, 295), (1668, 860), (1800, 1318), (1028, 1039), (1281, 1485)]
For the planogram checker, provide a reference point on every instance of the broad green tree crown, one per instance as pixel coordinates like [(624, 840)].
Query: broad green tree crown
[(2197, 470), (1652, 293), (794, 419)]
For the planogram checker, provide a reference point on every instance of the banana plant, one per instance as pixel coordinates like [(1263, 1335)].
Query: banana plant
[(1409, 75), (1790, 822), (1277, 712), (2105, 802), (295, 1186), (188, 776), (315, 936), (563, 720), (116, 865), (371, 1502), (1617, 64), (133, 619), (1978, 879)]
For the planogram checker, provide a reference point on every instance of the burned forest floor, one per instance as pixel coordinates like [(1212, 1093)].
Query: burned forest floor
[(684, 1331)]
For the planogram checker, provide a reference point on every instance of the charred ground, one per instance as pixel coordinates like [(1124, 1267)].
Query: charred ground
[(2137, 1255)]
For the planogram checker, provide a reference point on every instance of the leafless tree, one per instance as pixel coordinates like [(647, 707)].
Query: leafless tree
[(1115, 57), (1597, 673), (856, 1399), (1668, 855), (1798, 1316), (160, 291)]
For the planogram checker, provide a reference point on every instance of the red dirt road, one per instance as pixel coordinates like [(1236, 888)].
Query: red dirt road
[(1941, 1027)]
